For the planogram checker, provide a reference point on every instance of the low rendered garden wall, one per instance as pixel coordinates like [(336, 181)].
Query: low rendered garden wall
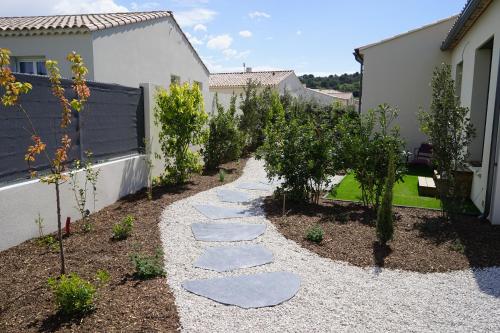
[(21, 203)]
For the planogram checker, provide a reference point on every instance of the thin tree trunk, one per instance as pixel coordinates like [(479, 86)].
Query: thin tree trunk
[(59, 229)]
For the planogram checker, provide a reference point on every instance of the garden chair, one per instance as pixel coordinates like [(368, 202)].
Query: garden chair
[(423, 155)]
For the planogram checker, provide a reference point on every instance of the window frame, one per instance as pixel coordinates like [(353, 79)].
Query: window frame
[(34, 61)]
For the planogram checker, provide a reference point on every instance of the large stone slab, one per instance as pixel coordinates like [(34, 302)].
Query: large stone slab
[(247, 291), (217, 213), (233, 196), (227, 232), (257, 186), (228, 258)]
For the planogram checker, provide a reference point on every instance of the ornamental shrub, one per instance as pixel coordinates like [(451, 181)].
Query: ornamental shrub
[(448, 127), (366, 144), (254, 106), (299, 148), (123, 229), (385, 220), (225, 141), (315, 234), (181, 116), (73, 295)]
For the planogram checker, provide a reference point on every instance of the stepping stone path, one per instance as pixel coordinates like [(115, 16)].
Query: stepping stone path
[(248, 291), (228, 258), (232, 196), (217, 213), (258, 186), (245, 291), (227, 232)]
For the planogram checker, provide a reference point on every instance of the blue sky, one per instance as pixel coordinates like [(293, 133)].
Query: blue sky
[(308, 36)]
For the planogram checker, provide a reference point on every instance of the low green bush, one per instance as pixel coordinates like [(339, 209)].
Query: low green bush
[(225, 141), (148, 267), (315, 234), (123, 229), (73, 295)]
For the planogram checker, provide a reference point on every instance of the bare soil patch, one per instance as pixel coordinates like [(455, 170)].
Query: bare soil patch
[(422, 241), (124, 304)]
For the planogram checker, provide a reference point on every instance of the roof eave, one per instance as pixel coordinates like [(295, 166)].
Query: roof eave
[(460, 27)]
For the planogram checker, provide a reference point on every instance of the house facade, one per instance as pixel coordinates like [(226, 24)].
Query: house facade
[(121, 48), (470, 43), (227, 84)]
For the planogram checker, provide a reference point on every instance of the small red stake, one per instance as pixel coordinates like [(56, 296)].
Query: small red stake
[(67, 228)]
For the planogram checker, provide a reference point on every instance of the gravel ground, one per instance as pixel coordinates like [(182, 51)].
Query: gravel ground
[(334, 296)]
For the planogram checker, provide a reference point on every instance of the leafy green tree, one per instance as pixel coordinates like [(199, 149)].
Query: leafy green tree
[(385, 219), (366, 144), (181, 115), (225, 141), (448, 127), (298, 149), (254, 107)]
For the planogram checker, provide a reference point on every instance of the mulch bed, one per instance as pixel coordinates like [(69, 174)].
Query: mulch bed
[(422, 241), (124, 304)]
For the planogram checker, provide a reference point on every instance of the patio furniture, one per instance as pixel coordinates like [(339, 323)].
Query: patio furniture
[(423, 155), (426, 187)]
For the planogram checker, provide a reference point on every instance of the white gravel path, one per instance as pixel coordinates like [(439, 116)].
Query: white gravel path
[(334, 296)]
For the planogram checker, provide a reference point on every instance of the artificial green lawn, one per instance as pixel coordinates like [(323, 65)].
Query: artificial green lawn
[(405, 192)]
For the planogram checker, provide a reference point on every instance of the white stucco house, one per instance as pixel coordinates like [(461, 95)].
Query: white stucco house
[(227, 84), (398, 71), (123, 48)]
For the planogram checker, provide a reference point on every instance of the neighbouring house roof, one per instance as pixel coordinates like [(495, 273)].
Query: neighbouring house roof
[(469, 15), (81, 23), (358, 51), (334, 93), (90, 22), (240, 79)]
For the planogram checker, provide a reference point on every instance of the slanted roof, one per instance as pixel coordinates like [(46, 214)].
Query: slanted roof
[(361, 48), (60, 24), (334, 93), (240, 79), (469, 15), (90, 22)]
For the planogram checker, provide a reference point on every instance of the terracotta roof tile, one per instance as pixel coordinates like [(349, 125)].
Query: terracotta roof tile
[(239, 79), (91, 22)]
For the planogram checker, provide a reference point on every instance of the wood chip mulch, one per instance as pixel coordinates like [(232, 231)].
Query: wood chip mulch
[(422, 242), (124, 304)]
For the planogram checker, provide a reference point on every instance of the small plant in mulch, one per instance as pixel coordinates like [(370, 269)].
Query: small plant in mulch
[(222, 175), (315, 234), (73, 295), (123, 229), (457, 246), (148, 267)]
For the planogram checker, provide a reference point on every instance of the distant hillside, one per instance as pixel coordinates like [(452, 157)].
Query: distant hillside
[(344, 82)]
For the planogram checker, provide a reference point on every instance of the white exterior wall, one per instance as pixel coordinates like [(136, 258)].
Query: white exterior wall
[(54, 47), (399, 71), (487, 26), (21, 203), (149, 51)]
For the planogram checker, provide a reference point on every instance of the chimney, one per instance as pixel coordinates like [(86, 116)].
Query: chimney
[(249, 69)]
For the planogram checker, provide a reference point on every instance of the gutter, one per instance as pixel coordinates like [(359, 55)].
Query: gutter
[(359, 58), (467, 12)]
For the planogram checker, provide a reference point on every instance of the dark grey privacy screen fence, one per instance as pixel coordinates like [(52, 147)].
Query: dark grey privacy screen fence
[(111, 125)]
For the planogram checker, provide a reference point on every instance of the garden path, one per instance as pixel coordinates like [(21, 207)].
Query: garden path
[(333, 296)]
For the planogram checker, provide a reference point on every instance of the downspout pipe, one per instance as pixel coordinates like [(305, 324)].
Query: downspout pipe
[(359, 58)]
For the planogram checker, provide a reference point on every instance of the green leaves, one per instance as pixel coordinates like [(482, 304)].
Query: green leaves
[(181, 115)]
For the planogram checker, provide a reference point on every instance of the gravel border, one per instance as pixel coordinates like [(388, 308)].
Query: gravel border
[(333, 296)]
